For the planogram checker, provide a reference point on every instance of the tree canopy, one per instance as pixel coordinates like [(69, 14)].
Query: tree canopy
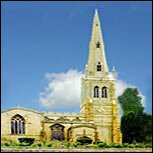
[(130, 101), (136, 126)]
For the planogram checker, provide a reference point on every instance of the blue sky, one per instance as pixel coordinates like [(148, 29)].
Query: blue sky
[(53, 37)]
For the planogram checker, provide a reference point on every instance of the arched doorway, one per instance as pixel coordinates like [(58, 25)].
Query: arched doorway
[(57, 131)]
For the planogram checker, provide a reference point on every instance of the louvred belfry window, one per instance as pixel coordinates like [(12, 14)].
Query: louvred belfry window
[(104, 92), (96, 92)]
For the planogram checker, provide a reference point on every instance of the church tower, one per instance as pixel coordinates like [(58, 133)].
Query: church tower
[(98, 100)]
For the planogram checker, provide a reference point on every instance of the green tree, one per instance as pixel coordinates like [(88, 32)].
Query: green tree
[(136, 125), (146, 133), (131, 127), (130, 101)]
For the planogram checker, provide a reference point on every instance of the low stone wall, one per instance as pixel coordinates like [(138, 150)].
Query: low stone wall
[(78, 150)]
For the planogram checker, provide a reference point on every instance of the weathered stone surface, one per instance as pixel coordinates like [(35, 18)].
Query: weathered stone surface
[(102, 110), (79, 150)]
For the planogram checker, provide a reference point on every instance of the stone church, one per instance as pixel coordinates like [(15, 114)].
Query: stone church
[(98, 119)]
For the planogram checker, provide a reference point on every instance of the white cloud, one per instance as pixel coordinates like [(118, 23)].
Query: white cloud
[(121, 86), (64, 90)]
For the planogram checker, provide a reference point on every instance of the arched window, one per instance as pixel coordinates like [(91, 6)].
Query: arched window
[(17, 125), (96, 91), (57, 132), (104, 92), (98, 45)]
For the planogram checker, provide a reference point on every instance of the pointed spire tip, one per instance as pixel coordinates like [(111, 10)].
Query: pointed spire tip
[(96, 11)]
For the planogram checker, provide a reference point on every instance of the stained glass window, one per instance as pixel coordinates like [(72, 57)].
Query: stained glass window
[(57, 132), (12, 127), (17, 125)]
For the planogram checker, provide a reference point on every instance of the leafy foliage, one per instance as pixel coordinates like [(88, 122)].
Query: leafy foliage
[(136, 125), (51, 144), (26, 141), (102, 145), (84, 140), (130, 101)]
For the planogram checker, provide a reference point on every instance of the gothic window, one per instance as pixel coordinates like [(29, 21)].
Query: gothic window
[(57, 132), (104, 92), (98, 67), (17, 125), (96, 91), (98, 45)]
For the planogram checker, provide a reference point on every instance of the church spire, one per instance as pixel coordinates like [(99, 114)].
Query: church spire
[(96, 27), (97, 64)]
